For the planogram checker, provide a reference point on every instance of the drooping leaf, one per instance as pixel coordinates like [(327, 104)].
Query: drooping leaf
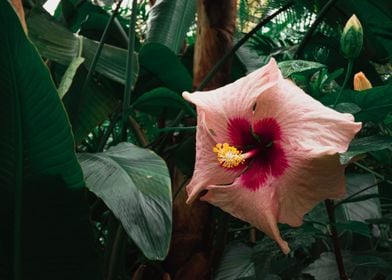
[(96, 105), (249, 58), (135, 184), (56, 43), (169, 21), (43, 206), (164, 64), (236, 263), (364, 145)]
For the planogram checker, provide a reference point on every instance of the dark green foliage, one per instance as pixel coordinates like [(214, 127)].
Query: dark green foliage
[(39, 170), (130, 194)]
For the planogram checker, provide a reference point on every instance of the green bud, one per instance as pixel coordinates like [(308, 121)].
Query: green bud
[(352, 38)]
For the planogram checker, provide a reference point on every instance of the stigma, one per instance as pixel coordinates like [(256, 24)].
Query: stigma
[(228, 156)]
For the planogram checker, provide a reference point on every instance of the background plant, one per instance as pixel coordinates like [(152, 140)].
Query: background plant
[(121, 90)]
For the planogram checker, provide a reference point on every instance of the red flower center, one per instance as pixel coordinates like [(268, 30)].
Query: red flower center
[(262, 140)]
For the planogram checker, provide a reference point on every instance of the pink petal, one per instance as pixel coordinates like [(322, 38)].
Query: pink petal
[(311, 178), (305, 123), (207, 169), (285, 200), (300, 169), (235, 100), (257, 208)]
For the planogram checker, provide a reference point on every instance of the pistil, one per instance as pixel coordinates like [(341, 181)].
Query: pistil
[(230, 157)]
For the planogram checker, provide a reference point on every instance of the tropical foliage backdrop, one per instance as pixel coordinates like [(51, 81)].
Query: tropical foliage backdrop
[(97, 143)]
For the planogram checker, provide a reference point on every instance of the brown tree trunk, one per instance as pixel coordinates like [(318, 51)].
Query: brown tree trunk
[(215, 28), (19, 10), (190, 256)]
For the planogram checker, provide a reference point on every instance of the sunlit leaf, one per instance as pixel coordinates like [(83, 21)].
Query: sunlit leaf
[(291, 67)]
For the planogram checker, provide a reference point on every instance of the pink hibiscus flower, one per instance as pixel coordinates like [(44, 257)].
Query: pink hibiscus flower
[(266, 152)]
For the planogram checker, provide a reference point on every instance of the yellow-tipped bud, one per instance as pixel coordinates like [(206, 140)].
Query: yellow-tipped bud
[(361, 82), (352, 38)]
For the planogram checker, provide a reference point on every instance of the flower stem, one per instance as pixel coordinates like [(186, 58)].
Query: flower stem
[(329, 204), (348, 75)]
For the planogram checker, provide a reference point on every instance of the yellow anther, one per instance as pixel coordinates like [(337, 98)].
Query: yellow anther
[(228, 156)]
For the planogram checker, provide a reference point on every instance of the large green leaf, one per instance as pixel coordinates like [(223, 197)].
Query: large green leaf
[(374, 103), (135, 184), (43, 207), (169, 21), (62, 46)]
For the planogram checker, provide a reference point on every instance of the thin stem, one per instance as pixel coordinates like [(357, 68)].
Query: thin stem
[(347, 199), (117, 244), (329, 204), (94, 63), (177, 128), (324, 10), (141, 137), (107, 133), (229, 54), (376, 174), (129, 70), (350, 64)]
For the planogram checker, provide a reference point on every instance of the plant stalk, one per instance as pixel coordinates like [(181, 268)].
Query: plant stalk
[(117, 244), (129, 74), (350, 64), (94, 62), (329, 204), (347, 199)]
